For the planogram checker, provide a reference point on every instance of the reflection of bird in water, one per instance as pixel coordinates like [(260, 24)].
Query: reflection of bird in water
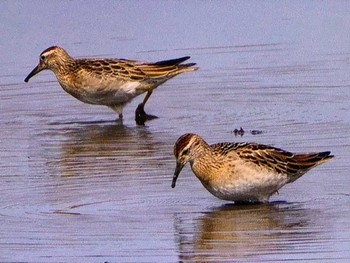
[(234, 232), (242, 172), (109, 82), (104, 150)]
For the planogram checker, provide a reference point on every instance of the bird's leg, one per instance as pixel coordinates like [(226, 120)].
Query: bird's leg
[(120, 119), (119, 110), (140, 115)]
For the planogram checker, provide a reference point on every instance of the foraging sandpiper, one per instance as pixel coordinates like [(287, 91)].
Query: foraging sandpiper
[(242, 172)]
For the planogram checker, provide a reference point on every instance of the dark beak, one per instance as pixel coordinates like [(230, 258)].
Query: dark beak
[(178, 169), (35, 71)]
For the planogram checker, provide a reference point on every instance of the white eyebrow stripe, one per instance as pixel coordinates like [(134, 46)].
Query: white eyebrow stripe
[(48, 52)]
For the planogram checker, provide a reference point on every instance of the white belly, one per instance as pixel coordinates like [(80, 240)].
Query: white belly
[(256, 188)]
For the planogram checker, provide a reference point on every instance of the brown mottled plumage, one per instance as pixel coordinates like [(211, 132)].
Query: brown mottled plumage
[(109, 82), (242, 172)]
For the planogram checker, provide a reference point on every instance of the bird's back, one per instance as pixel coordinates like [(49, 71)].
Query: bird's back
[(152, 74), (275, 159)]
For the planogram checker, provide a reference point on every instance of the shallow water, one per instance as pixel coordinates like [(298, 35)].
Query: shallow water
[(78, 187)]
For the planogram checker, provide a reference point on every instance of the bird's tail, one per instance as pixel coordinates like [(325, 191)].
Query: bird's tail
[(169, 68), (304, 162)]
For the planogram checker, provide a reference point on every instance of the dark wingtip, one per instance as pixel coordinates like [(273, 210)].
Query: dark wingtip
[(189, 65), (172, 62), (326, 154)]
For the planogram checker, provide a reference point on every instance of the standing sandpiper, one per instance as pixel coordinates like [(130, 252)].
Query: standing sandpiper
[(110, 82)]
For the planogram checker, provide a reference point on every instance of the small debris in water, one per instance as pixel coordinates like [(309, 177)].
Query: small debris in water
[(256, 132), (240, 132)]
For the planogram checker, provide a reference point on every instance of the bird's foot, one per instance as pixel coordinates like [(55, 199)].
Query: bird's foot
[(119, 120), (141, 116)]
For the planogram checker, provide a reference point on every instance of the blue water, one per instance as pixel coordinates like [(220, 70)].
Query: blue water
[(78, 187)]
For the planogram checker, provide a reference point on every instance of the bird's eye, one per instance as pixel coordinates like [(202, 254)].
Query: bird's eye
[(42, 57), (185, 152)]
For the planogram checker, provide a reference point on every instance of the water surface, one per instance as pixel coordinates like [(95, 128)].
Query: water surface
[(76, 186)]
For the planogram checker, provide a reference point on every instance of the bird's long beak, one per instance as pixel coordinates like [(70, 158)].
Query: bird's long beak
[(35, 71), (178, 169)]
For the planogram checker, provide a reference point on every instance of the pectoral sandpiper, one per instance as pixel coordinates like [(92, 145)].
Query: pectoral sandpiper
[(110, 82), (242, 172)]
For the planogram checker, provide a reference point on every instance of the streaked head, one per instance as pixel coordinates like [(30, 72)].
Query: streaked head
[(185, 151), (52, 58)]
